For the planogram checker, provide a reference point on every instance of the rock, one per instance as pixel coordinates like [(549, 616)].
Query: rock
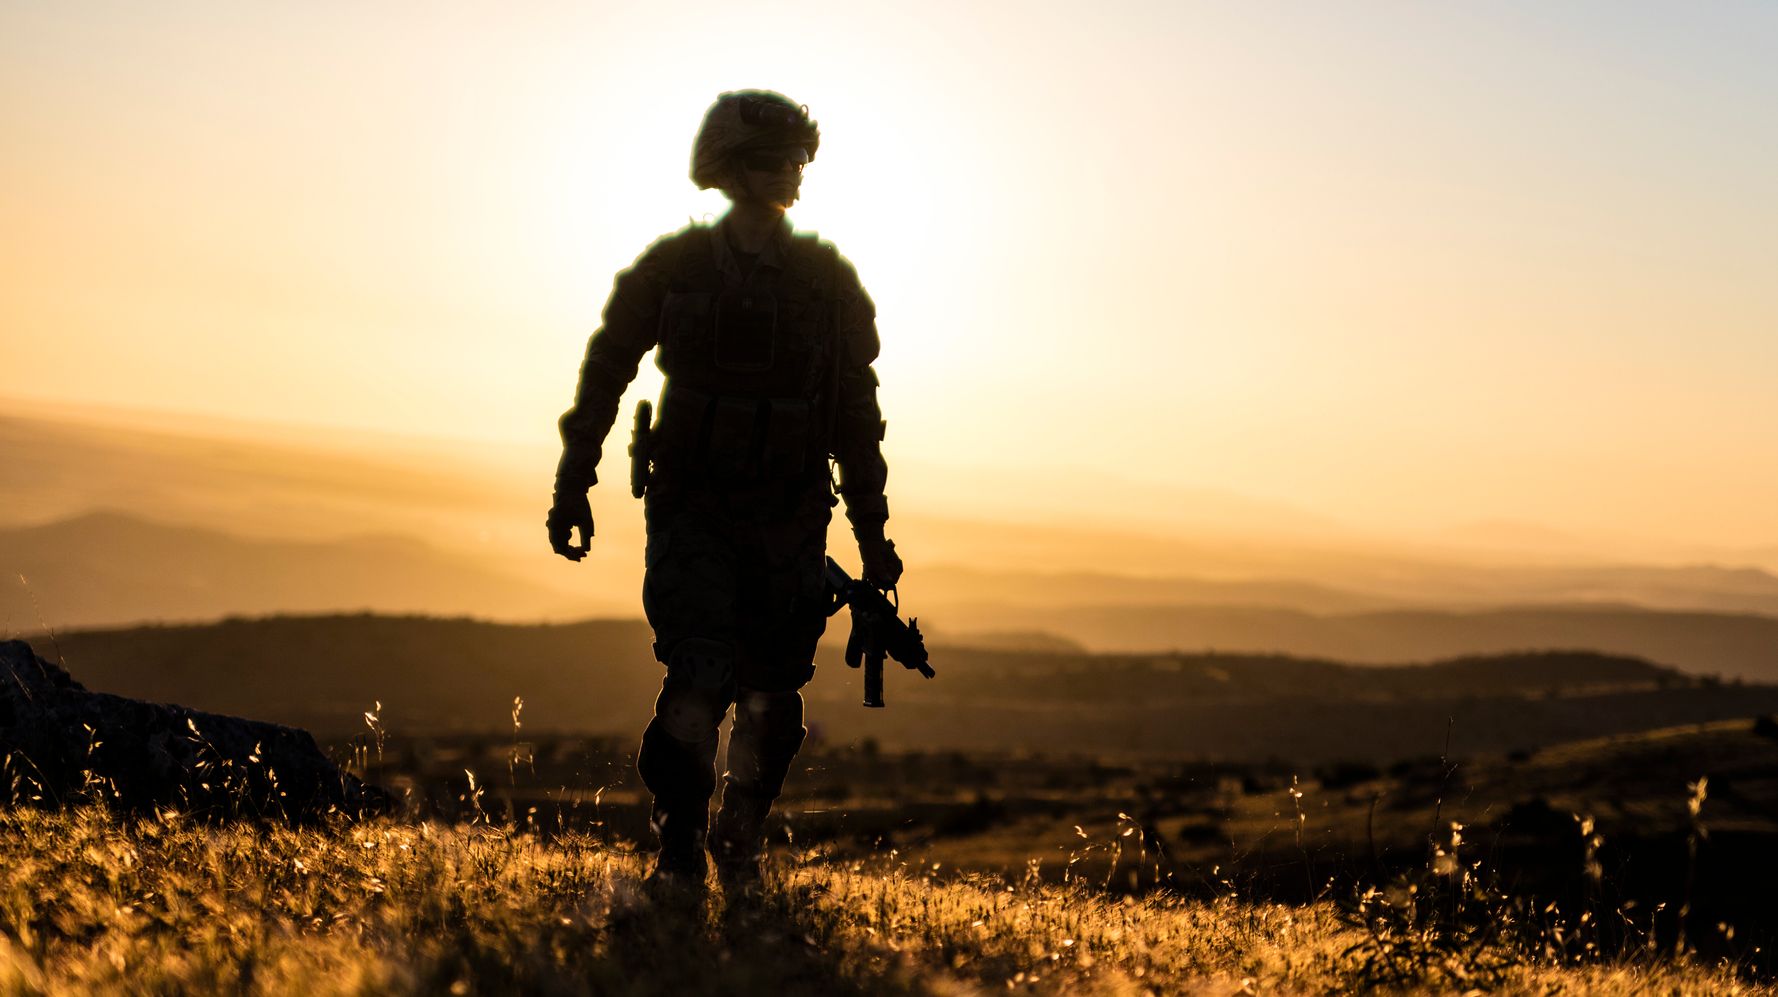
[(61, 744)]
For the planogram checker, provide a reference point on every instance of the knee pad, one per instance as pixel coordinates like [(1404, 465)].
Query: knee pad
[(680, 774), (699, 687)]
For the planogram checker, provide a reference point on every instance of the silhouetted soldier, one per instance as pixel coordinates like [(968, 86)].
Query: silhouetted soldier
[(766, 339)]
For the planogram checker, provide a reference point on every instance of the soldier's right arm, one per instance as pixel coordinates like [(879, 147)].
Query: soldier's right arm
[(626, 333)]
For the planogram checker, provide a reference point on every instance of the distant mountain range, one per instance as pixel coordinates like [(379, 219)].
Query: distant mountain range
[(106, 568), (113, 522), (1695, 587), (1740, 646)]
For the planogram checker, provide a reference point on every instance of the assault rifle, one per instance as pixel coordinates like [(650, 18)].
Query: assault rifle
[(877, 631)]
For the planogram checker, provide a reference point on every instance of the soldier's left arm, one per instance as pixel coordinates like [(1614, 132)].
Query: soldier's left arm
[(859, 428)]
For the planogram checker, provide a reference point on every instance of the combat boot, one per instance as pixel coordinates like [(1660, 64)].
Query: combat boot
[(680, 867)]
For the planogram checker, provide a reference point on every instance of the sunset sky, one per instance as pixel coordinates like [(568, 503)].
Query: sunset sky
[(1404, 265)]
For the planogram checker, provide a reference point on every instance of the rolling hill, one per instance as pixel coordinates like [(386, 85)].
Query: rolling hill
[(445, 675)]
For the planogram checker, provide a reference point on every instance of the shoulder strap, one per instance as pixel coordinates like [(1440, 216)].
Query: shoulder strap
[(837, 346)]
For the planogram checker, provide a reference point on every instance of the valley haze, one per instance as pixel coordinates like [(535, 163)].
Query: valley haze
[(116, 518)]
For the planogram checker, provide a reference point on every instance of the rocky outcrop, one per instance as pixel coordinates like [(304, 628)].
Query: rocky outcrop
[(61, 744)]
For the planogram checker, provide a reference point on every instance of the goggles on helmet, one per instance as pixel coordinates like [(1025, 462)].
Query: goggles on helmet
[(771, 114)]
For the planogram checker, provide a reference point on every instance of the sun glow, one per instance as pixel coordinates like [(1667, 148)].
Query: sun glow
[(1364, 265)]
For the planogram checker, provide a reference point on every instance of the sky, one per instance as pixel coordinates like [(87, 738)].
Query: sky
[(1404, 265)]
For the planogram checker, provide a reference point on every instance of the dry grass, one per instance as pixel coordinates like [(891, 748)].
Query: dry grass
[(91, 901)]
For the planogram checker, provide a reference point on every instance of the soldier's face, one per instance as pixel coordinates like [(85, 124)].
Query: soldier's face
[(772, 176)]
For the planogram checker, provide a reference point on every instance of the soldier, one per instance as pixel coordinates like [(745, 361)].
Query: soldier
[(766, 339)]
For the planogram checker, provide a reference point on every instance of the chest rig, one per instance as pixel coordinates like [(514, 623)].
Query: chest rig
[(746, 364)]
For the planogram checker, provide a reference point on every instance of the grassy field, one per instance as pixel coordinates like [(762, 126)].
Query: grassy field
[(93, 901)]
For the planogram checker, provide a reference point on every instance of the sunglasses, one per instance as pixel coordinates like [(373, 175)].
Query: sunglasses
[(771, 162)]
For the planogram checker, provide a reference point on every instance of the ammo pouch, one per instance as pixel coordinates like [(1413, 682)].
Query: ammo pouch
[(737, 329), (731, 437)]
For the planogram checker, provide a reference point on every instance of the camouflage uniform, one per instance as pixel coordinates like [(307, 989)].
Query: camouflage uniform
[(768, 373)]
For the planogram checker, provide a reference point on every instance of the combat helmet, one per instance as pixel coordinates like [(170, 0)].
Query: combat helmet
[(742, 120)]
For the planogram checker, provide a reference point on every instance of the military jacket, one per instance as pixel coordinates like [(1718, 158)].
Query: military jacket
[(767, 364)]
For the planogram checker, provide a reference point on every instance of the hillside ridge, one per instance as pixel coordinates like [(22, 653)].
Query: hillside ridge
[(462, 674)]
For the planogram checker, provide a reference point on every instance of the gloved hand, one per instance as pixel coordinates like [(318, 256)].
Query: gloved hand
[(882, 567), (569, 510)]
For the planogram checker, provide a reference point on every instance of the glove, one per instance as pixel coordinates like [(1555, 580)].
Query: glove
[(570, 510), (882, 567)]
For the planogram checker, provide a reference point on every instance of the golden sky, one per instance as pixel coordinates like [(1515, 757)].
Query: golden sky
[(1403, 265)]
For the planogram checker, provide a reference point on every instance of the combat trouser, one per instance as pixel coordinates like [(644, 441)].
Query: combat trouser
[(734, 592)]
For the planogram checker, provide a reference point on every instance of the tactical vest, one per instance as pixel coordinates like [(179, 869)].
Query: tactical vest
[(748, 368)]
